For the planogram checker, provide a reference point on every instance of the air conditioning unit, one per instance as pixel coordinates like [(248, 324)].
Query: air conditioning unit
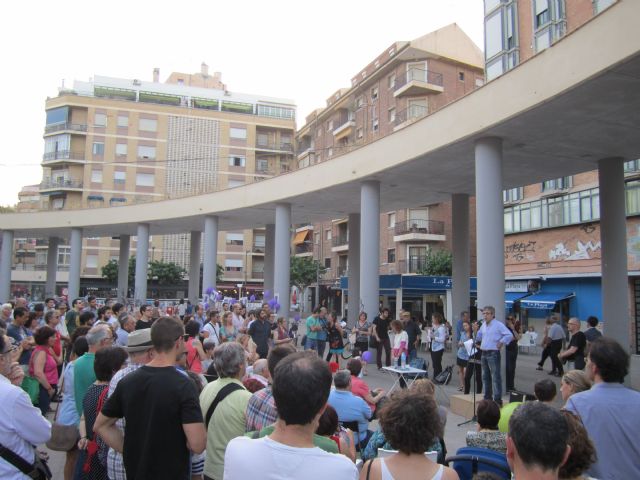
[(137, 82)]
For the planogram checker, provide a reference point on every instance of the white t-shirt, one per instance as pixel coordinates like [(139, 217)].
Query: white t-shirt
[(267, 459), (214, 332)]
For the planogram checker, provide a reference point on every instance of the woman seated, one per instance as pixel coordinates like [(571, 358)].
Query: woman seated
[(488, 435), (328, 427), (573, 381), (411, 425)]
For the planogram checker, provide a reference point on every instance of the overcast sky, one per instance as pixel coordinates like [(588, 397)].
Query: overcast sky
[(298, 50)]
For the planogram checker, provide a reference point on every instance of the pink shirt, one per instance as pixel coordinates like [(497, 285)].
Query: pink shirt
[(193, 359), (50, 366), (360, 388)]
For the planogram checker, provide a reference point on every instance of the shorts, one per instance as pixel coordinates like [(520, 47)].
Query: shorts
[(461, 362), (362, 346), (337, 351)]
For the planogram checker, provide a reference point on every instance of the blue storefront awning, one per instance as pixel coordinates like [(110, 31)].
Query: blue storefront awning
[(511, 297), (544, 301)]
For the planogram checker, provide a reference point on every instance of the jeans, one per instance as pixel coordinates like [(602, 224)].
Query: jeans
[(512, 356), (436, 359), (311, 344), (491, 378), (413, 354), (44, 400), (386, 344)]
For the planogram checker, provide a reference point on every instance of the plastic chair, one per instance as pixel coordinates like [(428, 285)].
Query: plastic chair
[(470, 460)]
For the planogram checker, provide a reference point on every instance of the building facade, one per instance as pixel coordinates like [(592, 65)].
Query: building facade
[(110, 142)]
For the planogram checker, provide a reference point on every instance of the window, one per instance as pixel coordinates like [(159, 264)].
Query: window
[(542, 13), (237, 161), (238, 133), (600, 5), (123, 121), (231, 183), (359, 132), (92, 261), (391, 220), (262, 165), (147, 125), (64, 255), (146, 151), (121, 149), (392, 115), (632, 166), (119, 177), (493, 34), (359, 101), (549, 22), (100, 120), (461, 76), (327, 234), (276, 112), (57, 203), (316, 238), (145, 179), (98, 148), (490, 5), (633, 197), (327, 262), (330, 126), (374, 125), (557, 184), (512, 195), (96, 176), (259, 240), (391, 80), (330, 152), (391, 255), (374, 94), (262, 139), (233, 265), (56, 146), (57, 115), (235, 239), (501, 41)]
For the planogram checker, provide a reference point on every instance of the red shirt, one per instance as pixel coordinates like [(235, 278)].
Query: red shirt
[(360, 388), (57, 347)]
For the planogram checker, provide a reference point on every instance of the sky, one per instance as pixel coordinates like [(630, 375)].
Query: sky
[(298, 50)]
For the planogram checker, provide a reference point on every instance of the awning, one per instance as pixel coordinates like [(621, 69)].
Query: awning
[(511, 297), (300, 237), (544, 301)]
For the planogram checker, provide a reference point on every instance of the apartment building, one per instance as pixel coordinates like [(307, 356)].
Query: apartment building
[(110, 142), (408, 81), (552, 229)]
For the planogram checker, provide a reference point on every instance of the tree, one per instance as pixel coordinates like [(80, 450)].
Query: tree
[(165, 273), (303, 272), (437, 263), (7, 209)]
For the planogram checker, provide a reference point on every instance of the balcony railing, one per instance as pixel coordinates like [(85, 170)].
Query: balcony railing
[(340, 240), (414, 112), (342, 271), (63, 155), (414, 264), (257, 274), (281, 147), (258, 248), (433, 227), (419, 75), (62, 183), (76, 127), (303, 248)]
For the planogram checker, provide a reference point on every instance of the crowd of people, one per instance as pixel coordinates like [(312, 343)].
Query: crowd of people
[(226, 394)]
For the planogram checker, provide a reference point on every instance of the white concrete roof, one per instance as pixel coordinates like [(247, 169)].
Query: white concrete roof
[(558, 113)]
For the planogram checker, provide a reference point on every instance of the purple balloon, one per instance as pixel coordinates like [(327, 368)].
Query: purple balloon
[(206, 306), (296, 317), (272, 303), (276, 307), (252, 298), (233, 301), (209, 290), (366, 356), (267, 294), (220, 297)]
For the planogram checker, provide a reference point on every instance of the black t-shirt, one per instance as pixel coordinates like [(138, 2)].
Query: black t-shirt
[(413, 332), (141, 324), (260, 332), (578, 340), (155, 402), (382, 327)]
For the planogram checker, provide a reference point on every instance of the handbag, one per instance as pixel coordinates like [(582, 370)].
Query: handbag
[(444, 377), (63, 437), (39, 470), (32, 387)]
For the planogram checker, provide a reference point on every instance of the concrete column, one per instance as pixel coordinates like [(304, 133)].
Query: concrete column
[(52, 267), (142, 264), (461, 259), (370, 246), (354, 268), (5, 265), (269, 252), (123, 268), (398, 303), (282, 258), (490, 224), (194, 266), (613, 235), (210, 257), (75, 261)]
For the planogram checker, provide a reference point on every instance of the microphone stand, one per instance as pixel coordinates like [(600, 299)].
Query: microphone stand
[(474, 372)]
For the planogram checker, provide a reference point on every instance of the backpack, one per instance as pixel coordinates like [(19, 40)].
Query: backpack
[(444, 377)]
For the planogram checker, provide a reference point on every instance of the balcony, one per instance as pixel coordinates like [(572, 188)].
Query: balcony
[(409, 115), (345, 125), (419, 231), (418, 82), (340, 243), (67, 126), (342, 271), (415, 264), (273, 147), (303, 250), (51, 185), (62, 157), (258, 248), (257, 274)]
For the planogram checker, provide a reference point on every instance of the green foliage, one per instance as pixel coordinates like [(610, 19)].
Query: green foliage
[(438, 263), (110, 271), (7, 209), (304, 270), (160, 272)]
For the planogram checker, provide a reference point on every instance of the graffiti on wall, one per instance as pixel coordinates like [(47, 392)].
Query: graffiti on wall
[(582, 251), (520, 251)]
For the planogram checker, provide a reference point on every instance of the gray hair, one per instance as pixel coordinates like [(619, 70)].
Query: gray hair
[(123, 318), (7, 306), (97, 334), (260, 366), (229, 359), (342, 379)]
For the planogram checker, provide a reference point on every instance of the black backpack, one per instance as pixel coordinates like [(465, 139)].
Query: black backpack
[(444, 377)]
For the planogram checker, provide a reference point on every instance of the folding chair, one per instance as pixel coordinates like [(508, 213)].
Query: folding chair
[(470, 460)]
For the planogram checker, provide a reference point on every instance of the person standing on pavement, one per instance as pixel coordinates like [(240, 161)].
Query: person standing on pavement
[(363, 331), (313, 327), (413, 333), (492, 336), (557, 337), (321, 335), (438, 341), (381, 333), (260, 332), (511, 351), (574, 354)]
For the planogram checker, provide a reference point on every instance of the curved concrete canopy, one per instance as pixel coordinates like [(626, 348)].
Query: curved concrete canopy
[(558, 113)]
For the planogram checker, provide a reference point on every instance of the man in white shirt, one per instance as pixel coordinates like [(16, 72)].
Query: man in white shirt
[(301, 387), (261, 372), (238, 321), (211, 329)]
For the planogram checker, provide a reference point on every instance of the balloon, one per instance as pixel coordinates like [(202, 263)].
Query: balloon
[(272, 303), (209, 290), (366, 356), (233, 301), (276, 307), (220, 297), (267, 294), (206, 306), (296, 317), (252, 298), (505, 415)]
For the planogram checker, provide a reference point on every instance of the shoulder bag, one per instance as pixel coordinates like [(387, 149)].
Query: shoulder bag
[(222, 394), (39, 470), (63, 437)]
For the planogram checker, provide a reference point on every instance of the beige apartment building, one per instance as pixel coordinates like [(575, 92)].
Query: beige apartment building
[(110, 142), (408, 81)]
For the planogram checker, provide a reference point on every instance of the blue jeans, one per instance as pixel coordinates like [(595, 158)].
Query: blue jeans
[(311, 344), (491, 379)]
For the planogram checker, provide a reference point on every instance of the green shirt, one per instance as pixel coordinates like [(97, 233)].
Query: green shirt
[(312, 322), (71, 319), (227, 423), (83, 377), (319, 441)]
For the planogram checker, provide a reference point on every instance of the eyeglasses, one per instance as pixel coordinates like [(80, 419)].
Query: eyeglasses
[(11, 349)]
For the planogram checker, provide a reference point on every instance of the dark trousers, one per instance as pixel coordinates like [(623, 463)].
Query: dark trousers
[(512, 356), (545, 354), (321, 346), (436, 359), (386, 344), (44, 400), (475, 370), (556, 364)]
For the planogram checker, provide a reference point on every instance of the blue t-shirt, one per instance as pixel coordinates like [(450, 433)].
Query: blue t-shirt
[(351, 408)]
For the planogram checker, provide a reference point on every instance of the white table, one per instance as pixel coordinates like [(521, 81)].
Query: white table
[(408, 374)]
